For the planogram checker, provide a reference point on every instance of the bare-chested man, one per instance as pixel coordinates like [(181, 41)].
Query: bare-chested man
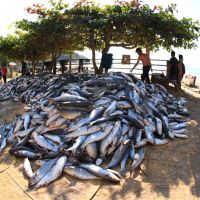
[(144, 57)]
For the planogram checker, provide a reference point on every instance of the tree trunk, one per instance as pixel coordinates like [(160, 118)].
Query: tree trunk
[(62, 64), (70, 63), (54, 66), (93, 47), (53, 63), (33, 67), (96, 70), (42, 67), (106, 49)]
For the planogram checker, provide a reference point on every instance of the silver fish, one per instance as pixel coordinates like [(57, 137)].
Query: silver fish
[(24, 132), (3, 144), (75, 126), (53, 118), (77, 144), (118, 155), (123, 105), (149, 134), (91, 150), (97, 136), (139, 156), (159, 142), (101, 172), (180, 131), (53, 173), (55, 138), (27, 121), (181, 136), (96, 113), (18, 126), (124, 162), (179, 126), (27, 168), (110, 109), (68, 97), (41, 141), (79, 172), (158, 126), (141, 143), (42, 171), (84, 130)]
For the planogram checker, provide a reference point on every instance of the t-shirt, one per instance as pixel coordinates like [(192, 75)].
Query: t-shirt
[(174, 66), (3, 71)]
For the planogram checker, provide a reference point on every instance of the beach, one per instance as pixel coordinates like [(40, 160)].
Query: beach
[(168, 172)]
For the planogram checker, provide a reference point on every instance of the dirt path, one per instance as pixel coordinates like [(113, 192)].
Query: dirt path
[(168, 172)]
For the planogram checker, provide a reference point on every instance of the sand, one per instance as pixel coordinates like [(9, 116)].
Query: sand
[(168, 172)]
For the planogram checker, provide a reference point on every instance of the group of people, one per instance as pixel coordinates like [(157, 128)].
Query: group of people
[(3, 73), (175, 68)]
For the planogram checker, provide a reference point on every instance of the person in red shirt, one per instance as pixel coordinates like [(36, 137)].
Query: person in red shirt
[(4, 72)]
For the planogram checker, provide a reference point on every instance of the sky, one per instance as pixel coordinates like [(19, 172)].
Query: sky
[(12, 10)]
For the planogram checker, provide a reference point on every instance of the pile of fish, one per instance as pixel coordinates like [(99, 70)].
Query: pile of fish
[(29, 89), (86, 125)]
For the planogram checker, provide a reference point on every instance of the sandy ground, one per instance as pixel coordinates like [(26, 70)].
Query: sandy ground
[(168, 172)]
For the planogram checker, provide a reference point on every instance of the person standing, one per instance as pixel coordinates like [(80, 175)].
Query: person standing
[(28, 70), (24, 64), (80, 66), (145, 59), (181, 68), (172, 70), (106, 61), (4, 72)]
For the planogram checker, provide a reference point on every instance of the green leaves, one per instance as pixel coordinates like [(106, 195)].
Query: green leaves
[(88, 25)]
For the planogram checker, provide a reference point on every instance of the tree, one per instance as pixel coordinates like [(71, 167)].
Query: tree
[(61, 28), (129, 24), (53, 30)]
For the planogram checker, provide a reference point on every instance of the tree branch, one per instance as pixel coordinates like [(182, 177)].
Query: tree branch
[(126, 46)]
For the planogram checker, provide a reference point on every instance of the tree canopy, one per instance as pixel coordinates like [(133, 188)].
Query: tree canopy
[(62, 28)]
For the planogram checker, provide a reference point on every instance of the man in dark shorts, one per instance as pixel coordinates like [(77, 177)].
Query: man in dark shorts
[(80, 66), (144, 57), (172, 70)]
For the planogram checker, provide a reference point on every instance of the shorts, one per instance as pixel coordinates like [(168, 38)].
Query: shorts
[(173, 79)]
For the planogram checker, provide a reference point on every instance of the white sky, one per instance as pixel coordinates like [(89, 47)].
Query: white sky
[(12, 10)]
